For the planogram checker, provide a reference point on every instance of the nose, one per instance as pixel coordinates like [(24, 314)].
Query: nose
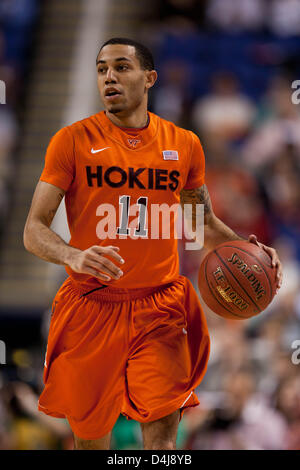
[(110, 77)]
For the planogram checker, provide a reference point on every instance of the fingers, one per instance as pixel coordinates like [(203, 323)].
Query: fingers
[(96, 259), (105, 265), (253, 239), (97, 274), (109, 251), (274, 259), (279, 275), (275, 264)]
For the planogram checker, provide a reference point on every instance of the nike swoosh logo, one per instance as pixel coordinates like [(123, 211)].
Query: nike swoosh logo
[(100, 150)]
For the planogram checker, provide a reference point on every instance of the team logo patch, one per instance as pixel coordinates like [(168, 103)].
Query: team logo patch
[(134, 142), (170, 155)]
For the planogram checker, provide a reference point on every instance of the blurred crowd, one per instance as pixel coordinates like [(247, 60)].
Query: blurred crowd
[(226, 69), (279, 17), (16, 32)]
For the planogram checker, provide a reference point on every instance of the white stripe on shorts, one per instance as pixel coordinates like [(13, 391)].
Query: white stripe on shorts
[(186, 399)]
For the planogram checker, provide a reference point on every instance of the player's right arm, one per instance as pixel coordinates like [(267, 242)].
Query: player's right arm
[(43, 242)]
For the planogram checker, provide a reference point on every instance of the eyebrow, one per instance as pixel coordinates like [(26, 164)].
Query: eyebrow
[(119, 59)]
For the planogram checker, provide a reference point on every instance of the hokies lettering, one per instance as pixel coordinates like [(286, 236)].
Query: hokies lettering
[(142, 178)]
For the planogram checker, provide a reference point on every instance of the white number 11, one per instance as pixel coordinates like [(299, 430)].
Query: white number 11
[(141, 231)]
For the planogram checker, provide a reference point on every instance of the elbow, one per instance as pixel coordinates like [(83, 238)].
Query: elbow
[(26, 240), (27, 237), (210, 221)]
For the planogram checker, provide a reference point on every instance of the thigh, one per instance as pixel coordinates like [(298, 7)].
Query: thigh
[(162, 433)]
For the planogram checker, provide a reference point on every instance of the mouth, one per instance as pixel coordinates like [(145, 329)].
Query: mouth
[(112, 94)]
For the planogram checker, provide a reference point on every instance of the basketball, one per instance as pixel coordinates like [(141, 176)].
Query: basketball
[(237, 280)]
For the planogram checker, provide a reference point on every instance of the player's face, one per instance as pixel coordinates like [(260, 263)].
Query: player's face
[(122, 83)]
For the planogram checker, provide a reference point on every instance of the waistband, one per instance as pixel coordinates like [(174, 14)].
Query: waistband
[(112, 294)]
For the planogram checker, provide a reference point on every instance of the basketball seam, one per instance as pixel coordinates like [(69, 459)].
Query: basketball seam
[(259, 261), (223, 306)]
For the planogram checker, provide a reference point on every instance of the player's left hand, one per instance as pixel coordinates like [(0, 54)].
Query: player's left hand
[(274, 257)]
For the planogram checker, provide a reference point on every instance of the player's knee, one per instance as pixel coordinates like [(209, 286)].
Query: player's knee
[(86, 444), (161, 444), (81, 444)]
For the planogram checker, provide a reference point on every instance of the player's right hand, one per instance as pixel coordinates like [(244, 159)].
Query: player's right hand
[(94, 261)]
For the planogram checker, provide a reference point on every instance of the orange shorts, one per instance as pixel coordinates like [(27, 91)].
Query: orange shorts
[(139, 352)]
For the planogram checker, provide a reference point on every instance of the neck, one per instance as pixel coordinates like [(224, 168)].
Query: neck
[(136, 119)]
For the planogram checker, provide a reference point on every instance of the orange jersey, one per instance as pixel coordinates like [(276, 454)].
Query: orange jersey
[(102, 167)]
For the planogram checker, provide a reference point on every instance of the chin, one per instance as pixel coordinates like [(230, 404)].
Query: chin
[(114, 110)]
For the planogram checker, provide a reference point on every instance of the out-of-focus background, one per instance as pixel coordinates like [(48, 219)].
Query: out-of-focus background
[(226, 69)]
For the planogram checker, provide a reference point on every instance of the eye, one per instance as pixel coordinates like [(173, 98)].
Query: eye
[(122, 67), (101, 70)]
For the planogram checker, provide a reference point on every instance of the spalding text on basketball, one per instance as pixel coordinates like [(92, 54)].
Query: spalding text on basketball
[(248, 273)]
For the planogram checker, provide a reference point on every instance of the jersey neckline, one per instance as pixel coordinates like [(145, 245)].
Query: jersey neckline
[(130, 138)]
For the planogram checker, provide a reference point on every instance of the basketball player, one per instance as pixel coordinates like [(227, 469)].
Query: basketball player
[(127, 332)]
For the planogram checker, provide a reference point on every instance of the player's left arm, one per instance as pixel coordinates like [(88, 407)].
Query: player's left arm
[(215, 231)]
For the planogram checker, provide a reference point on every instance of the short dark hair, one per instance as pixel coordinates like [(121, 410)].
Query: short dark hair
[(143, 54)]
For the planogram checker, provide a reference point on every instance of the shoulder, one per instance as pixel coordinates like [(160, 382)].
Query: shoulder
[(84, 125), (77, 129), (173, 130)]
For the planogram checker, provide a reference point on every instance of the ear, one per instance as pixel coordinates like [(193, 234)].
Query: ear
[(151, 77)]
